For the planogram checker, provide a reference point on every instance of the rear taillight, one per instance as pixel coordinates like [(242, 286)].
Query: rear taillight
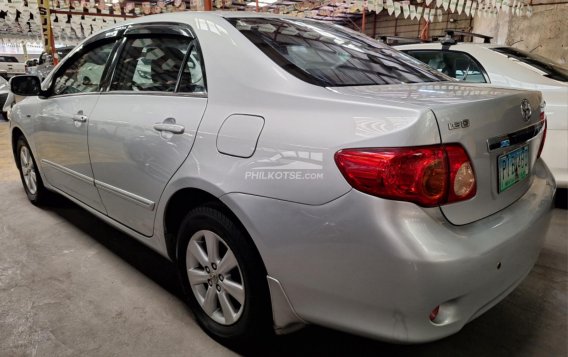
[(462, 177), (543, 118), (427, 175)]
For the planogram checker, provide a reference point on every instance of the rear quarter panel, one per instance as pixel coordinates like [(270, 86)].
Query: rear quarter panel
[(304, 125)]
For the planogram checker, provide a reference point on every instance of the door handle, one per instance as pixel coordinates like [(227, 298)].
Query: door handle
[(80, 118), (169, 125)]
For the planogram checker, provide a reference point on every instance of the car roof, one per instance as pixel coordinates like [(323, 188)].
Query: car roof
[(186, 16), (199, 20), (192, 16), (233, 14)]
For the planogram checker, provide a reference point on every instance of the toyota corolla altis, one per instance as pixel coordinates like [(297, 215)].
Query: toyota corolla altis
[(295, 171)]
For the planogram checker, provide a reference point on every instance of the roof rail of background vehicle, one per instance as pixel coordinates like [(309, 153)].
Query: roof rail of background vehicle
[(450, 33), (399, 40)]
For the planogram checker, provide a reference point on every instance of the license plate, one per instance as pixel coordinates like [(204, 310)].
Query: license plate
[(513, 167)]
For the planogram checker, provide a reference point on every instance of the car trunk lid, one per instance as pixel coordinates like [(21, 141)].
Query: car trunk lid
[(488, 122)]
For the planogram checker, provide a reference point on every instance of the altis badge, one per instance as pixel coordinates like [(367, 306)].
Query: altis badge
[(459, 124)]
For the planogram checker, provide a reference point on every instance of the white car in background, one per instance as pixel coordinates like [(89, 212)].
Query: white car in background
[(509, 67), (4, 92), (9, 66)]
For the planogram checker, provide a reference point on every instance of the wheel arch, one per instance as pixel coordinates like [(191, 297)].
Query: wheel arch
[(183, 201), (16, 134)]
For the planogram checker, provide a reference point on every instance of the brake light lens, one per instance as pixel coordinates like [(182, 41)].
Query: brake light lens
[(426, 175)]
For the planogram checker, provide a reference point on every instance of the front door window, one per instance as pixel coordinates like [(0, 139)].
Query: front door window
[(84, 74)]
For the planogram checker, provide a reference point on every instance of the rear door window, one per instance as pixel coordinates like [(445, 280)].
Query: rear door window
[(158, 64), (192, 78), (459, 65)]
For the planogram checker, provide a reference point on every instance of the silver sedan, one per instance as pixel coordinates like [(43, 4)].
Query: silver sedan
[(296, 172)]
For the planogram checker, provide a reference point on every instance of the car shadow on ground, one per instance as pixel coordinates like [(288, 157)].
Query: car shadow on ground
[(501, 331), (144, 259)]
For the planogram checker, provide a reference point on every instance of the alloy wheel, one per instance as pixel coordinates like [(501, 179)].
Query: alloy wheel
[(215, 277), (28, 170)]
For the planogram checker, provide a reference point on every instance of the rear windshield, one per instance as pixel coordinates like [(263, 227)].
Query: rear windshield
[(549, 68), (330, 55)]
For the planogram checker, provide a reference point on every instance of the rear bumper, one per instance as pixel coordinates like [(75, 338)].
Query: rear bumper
[(377, 267)]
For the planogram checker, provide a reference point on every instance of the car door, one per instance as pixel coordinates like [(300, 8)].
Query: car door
[(63, 119), (144, 125)]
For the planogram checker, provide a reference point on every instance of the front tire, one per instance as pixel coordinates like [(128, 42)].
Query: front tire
[(31, 179), (223, 277)]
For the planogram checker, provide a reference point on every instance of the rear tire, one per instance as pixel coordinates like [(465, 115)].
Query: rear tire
[(31, 179), (223, 277)]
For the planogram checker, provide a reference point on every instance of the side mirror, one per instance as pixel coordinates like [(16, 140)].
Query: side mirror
[(25, 85)]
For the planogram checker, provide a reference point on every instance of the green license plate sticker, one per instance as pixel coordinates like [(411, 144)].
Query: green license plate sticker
[(513, 167)]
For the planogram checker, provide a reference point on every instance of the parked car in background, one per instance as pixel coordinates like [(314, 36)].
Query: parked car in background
[(4, 92), (509, 67), (31, 66), (326, 179), (45, 61), (9, 66), (32, 62)]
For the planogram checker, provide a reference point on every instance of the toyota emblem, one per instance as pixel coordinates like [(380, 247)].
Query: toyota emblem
[(526, 110)]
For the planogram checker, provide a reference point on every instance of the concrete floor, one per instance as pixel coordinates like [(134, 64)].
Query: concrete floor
[(71, 285)]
